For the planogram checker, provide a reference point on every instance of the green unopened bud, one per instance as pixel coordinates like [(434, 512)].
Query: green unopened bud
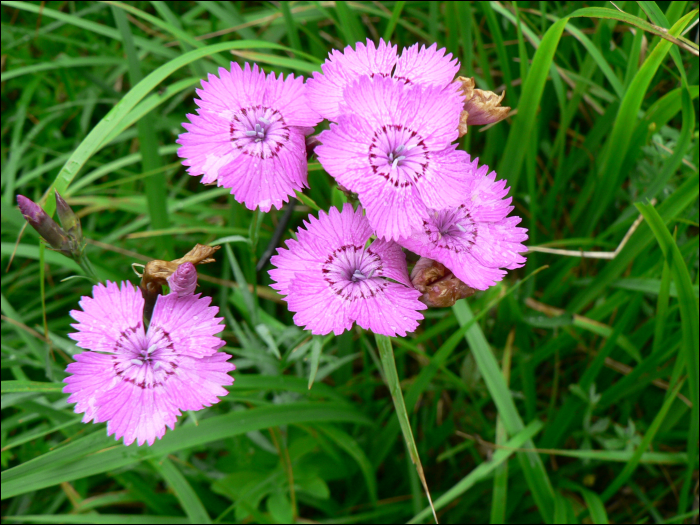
[(44, 225), (69, 220)]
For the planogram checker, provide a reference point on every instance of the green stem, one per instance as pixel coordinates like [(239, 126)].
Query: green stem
[(386, 354)]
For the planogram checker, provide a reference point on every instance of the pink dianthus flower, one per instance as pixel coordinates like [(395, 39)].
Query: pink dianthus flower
[(476, 239), (139, 381), (424, 66), (393, 147), (249, 135), (332, 278)]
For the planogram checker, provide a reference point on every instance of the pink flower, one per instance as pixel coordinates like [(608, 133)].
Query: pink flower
[(476, 239), (392, 146), (139, 381), (332, 279), (427, 66), (249, 135)]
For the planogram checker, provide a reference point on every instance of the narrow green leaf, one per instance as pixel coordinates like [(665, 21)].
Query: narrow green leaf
[(690, 324), (595, 505), (610, 173), (349, 445), (483, 470), (30, 386), (631, 466), (93, 27), (386, 353), (101, 519), (685, 195), (530, 462), (60, 64), (9, 168), (187, 497), (391, 25), (523, 124), (109, 122), (613, 14), (314, 358), (292, 32), (99, 453), (155, 186)]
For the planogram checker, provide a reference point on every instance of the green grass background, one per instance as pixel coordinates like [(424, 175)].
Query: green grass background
[(593, 362)]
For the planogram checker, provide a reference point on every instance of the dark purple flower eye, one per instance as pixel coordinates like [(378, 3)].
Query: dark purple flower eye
[(332, 279)]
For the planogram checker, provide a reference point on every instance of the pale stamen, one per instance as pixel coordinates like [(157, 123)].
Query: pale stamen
[(137, 362), (461, 228), (156, 366), (358, 276), (395, 160)]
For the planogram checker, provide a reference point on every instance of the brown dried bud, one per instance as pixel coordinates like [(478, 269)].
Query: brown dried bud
[(439, 286), (156, 273), (480, 107)]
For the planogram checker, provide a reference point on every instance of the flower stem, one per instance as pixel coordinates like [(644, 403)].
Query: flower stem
[(386, 354)]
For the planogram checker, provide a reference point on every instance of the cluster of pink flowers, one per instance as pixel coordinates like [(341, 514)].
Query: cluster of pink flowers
[(394, 122)]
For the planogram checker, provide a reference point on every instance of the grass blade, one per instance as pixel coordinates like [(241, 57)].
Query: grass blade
[(631, 466), (679, 200), (690, 325), (156, 194), (530, 462), (109, 122), (30, 386), (386, 354), (514, 154), (188, 498), (610, 173), (391, 25), (98, 453), (102, 519), (595, 505), (349, 445), (483, 470), (612, 14)]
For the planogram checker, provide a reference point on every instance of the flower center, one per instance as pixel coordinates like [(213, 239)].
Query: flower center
[(453, 229), (351, 268), (398, 154), (395, 157), (258, 131)]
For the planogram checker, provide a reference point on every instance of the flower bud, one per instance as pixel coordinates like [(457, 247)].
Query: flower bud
[(480, 107), (183, 281), (69, 220), (311, 143), (44, 225), (439, 286)]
